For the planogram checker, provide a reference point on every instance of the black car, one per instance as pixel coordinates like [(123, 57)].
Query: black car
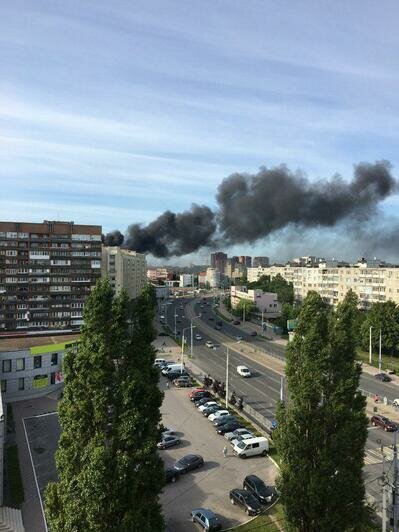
[(172, 375), (383, 377), (245, 499), (212, 409), (202, 401), (200, 395), (218, 422), (253, 333), (188, 463), (163, 334), (171, 475), (229, 427), (236, 322), (255, 485)]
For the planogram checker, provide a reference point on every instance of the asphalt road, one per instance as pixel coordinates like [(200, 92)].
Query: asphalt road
[(262, 391)]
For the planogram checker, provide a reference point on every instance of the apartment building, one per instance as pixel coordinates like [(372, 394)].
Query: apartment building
[(46, 273), (186, 279), (372, 283), (157, 275), (265, 302), (218, 261), (260, 261), (126, 269)]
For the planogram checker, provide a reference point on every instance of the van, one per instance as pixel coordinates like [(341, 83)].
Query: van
[(251, 447), (160, 362), (171, 367)]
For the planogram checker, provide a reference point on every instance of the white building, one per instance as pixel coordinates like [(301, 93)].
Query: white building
[(125, 269), (213, 278), (265, 302), (186, 279)]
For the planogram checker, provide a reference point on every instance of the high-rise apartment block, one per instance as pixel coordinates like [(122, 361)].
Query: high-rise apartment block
[(260, 262), (245, 260), (46, 273), (126, 269), (218, 261)]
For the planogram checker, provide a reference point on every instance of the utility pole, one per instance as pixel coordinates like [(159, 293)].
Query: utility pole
[(384, 508), (191, 347), (370, 349), (261, 323), (395, 493), (182, 352), (380, 355), (227, 377), (175, 324)]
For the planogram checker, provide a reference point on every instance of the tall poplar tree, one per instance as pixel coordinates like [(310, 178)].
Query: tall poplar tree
[(109, 417), (322, 429)]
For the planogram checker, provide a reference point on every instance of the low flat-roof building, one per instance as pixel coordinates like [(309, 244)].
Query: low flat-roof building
[(265, 302)]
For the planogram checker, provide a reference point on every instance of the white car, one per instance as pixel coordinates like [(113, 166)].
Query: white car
[(209, 403), (169, 432), (218, 414), (209, 344), (243, 437), (238, 432), (243, 371), (198, 337)]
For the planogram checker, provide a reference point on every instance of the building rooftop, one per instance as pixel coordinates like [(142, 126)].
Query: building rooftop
[(26, 342)]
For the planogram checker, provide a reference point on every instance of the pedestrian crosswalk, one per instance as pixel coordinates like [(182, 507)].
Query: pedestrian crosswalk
[(375, 456)]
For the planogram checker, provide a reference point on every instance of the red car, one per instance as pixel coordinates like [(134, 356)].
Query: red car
[(194, 392), (384, 423)]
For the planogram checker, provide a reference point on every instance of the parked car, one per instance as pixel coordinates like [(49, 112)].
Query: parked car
[(159, 362), (246, 500), (222, 420), (163, 334), (238, 432), (171, 475), (188, 463), (201, 401), (168, 432), (251, 447), (236, 322), (228, 427), (395, 402), (168, 441), (206, 519), (202, 395), (183, 382), (244, 371), (255, 485), (384, 423), (209, 344), (212, 409), (253, 333), (195, 391), (204, 406), (241, 437), (383, 377), (176, 374), (217, 414)]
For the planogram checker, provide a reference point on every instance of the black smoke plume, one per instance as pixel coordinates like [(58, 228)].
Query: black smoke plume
[(114, 238), (174, 234), (251, 207)]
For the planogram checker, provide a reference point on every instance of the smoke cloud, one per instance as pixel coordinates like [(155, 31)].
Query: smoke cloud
[(254, 206)]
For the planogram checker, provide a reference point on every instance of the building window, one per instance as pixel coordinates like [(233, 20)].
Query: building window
[(37, 361), (52, 378), (3, 385), (54, 359), (20, 364), (6, 366), (21, 383)]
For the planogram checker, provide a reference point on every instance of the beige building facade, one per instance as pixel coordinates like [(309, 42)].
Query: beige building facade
[(371, 284), (125, 269)]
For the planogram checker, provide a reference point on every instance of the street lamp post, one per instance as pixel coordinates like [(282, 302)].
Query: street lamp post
[(182, 342), (370, 348), (175, 325), (227, 377)]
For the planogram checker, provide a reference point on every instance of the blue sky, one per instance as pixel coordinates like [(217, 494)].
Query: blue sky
[(111, 112)]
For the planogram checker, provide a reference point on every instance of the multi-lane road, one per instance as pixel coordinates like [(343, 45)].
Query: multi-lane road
[(262, 391)]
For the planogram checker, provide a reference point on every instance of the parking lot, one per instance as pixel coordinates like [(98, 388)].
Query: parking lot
[(209, 486)]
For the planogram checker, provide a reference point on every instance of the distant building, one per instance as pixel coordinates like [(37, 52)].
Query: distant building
[(47, 271), (158, 275), (186, 279), (213, 278), (260, 261), (218, 261), (245, 260), (202, 279), (125, 269), (372, 281), (265, 302)]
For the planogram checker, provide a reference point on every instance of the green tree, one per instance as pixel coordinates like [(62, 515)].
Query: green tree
[(109, 472), (322, 429), (278, 285), (288, 312), (385, 317), (247, 306)]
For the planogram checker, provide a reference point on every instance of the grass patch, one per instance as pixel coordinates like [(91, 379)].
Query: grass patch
[(271, 521), (14, 477), (388, 362), (221, 315)]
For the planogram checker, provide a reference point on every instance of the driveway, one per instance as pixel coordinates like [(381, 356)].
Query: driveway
[(209, 486)]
